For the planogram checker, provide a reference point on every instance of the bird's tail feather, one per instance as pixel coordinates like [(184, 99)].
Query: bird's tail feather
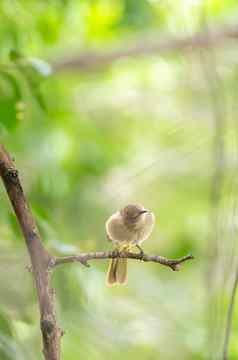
[(117, 271)]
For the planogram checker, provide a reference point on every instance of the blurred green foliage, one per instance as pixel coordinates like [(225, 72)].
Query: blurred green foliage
[(86, 144)]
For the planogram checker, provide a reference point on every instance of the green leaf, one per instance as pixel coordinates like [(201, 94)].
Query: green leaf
[(34, 71), (8, 113), (5, 325), (10, 98), (14, 55)]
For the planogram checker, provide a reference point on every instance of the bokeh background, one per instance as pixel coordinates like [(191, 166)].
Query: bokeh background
[(104, 130)]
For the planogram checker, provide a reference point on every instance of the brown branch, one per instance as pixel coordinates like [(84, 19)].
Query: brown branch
[(83, 258), (94, 60), (40, 258)]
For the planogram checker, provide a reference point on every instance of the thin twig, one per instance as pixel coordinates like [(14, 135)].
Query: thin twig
[(229, 318), (93, 60), (83, 258)]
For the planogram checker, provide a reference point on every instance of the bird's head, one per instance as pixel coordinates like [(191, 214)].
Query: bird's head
[(132, 214)]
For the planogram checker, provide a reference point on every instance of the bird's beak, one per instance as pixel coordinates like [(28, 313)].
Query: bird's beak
[(144, 211)]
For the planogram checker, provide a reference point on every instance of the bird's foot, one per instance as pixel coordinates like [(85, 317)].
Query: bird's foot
[(141, 251), (116, 253)]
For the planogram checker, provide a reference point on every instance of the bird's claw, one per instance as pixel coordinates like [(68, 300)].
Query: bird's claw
[(116, 252), (141, 252)]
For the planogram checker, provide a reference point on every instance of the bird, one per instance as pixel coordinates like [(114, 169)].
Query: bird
[(127, 228)]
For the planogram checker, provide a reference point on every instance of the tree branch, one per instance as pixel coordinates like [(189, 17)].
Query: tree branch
[(40, 258), (83, 258), (93, 60)]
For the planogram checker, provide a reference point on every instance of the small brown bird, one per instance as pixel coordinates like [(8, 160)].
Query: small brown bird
[(127, 228)]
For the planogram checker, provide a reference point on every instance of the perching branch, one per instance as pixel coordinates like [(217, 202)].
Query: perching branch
[(42, 262), (83, 258), (94, 60)]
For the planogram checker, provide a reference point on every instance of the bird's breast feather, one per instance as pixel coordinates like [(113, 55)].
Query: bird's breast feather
[(116, 229)]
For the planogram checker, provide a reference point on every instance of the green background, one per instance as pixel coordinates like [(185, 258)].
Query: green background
[(160, 130)]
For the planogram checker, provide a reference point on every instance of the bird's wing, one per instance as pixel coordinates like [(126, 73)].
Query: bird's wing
[(147, 228)]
